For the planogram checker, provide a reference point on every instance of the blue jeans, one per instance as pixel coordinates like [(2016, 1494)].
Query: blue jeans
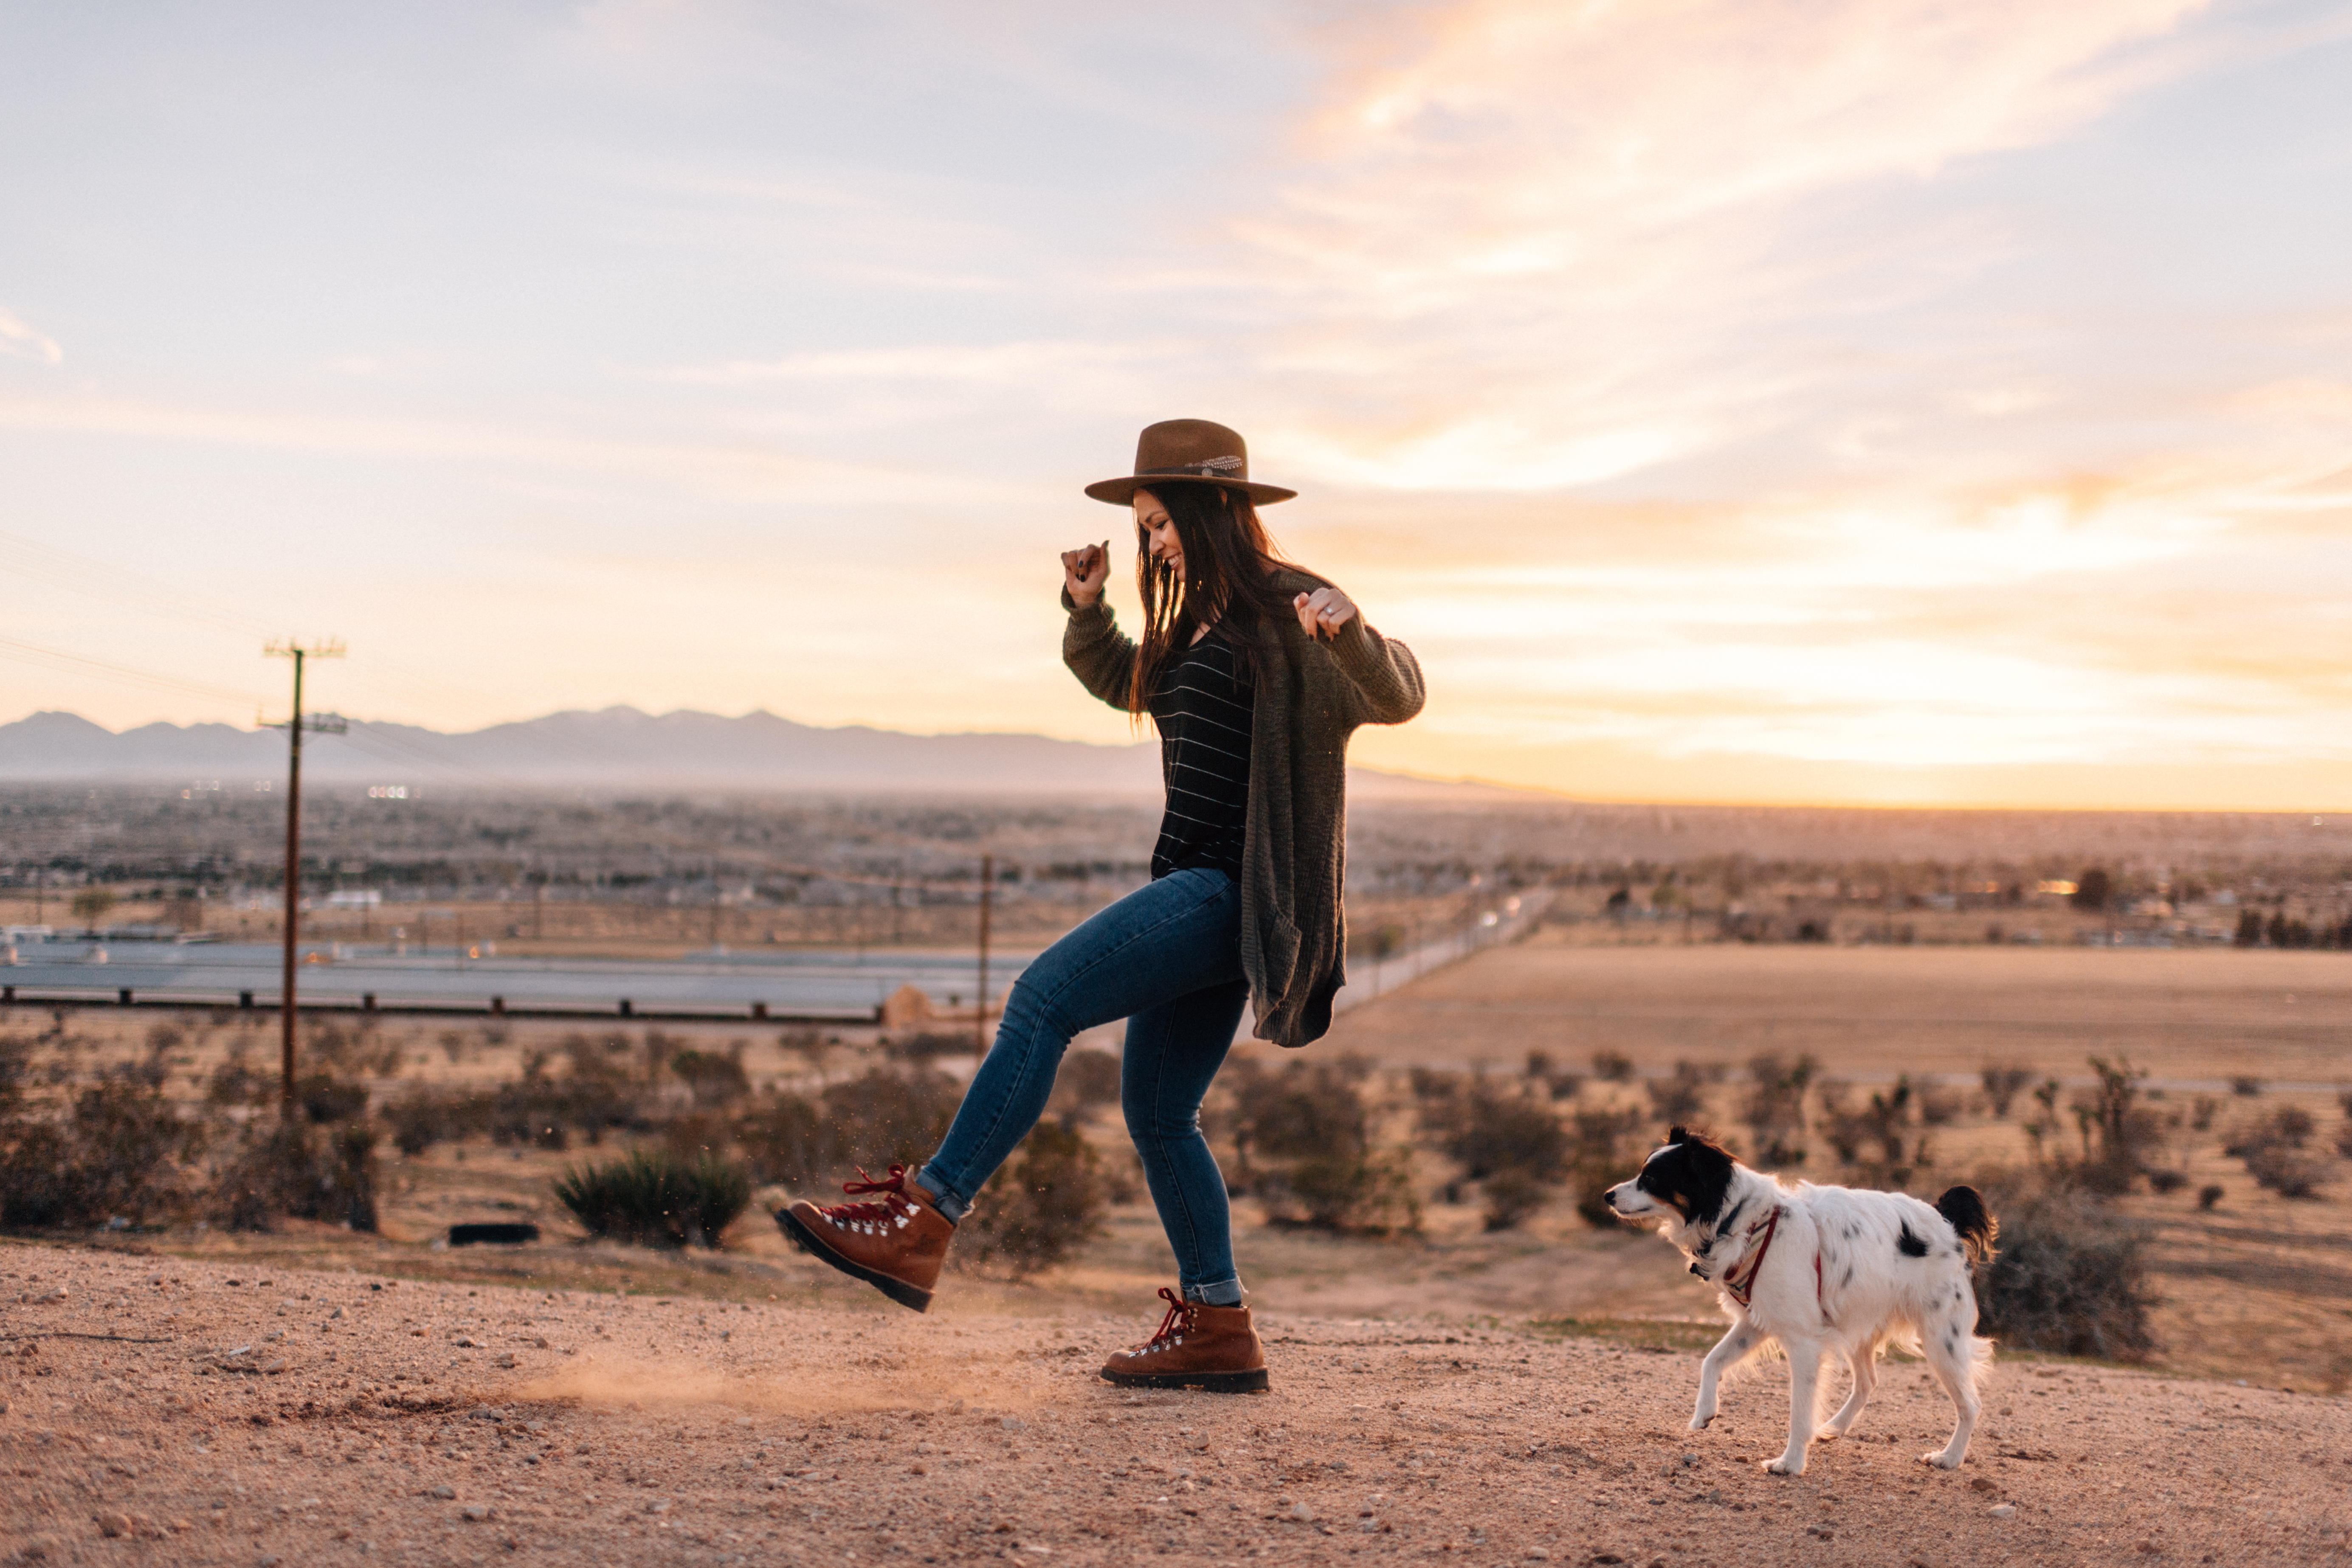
[(1167, 958)]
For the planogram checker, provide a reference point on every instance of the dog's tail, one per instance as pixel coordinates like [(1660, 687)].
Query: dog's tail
[(1964, 1209)]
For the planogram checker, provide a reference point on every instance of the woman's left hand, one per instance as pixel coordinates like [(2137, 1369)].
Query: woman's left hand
[(1322, 613)]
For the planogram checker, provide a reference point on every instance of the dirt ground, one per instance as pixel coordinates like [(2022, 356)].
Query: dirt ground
[(187, 1411)]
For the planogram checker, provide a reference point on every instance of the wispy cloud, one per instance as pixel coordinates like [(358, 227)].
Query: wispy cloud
[(18, 340)]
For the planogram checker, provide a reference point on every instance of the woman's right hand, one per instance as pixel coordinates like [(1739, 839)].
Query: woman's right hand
[(1086, 572)]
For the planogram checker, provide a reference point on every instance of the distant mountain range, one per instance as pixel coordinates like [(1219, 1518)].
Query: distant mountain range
[(617, 748)]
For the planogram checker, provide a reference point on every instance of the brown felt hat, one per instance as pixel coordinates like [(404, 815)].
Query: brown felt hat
[(1188, 451)]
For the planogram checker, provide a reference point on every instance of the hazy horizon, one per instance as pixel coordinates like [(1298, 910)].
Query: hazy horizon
[(1862, 403)]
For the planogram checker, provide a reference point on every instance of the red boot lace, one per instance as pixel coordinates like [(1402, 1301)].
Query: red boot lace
[(893, 1189), (1174, 1325)]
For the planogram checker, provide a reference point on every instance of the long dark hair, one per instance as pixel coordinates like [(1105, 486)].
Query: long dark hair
[(1227, 557)]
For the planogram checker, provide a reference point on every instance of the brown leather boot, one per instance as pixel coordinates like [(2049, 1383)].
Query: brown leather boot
[(896, 1245), (1197, 1346)]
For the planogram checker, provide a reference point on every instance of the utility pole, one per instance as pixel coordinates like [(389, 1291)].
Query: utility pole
[(980, 1013), (324, 724)]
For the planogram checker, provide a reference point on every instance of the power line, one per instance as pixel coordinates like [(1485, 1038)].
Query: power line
[(104, 669)]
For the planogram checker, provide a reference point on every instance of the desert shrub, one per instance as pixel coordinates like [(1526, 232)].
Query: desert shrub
[(2203, 1111), (16, 1070), (1303, 1135), (1355, 1190), (324, 1097), (930, 1045), (2003, 1082), (1680, 1098), (1775, 1107), (2121, 1138), (2246, 1087), (2071, 1276), (1512, 1195), (2273, 1150), (236, 1082), (2166, 1183), (423, 1118), (882, 1117), (293, 1168), (2211, 1196), (1940, 1107), (115, 1154), (1088, 1078), (715, 1078), (779, 1135), (1601, 1152), (1042, 1205), (1510, 1141), (1490, 1130), (1561, 1083), (1873, 1139), (1428, 1084), (657, 1198), (1612, 1066)]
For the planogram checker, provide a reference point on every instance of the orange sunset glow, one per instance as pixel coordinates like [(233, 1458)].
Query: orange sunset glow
[(1874, 401)]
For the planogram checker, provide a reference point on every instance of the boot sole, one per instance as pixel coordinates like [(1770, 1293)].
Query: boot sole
[(1251, 1381), (807, 1241)]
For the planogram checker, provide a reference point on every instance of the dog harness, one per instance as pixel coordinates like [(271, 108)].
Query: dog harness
[(1738, 1288)]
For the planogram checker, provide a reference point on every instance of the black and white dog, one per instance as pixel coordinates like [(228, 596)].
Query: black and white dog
[(1823, 1268)]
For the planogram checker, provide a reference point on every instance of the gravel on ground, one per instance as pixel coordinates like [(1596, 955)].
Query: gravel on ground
[(188, 1412)]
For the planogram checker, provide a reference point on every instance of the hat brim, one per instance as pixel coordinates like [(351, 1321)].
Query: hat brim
[(1120, 491)]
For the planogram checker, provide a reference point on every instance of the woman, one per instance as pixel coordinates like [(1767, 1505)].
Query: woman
[(1254, 672)]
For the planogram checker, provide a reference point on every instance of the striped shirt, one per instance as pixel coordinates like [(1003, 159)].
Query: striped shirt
[(1203, 709)]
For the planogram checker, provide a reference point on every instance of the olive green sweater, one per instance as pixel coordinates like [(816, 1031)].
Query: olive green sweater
[(1311, 696)]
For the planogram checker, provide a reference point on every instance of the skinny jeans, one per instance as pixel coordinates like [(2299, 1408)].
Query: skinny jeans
[(1167, 958)]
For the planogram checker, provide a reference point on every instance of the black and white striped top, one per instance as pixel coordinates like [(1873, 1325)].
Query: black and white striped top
[(1202, 710)]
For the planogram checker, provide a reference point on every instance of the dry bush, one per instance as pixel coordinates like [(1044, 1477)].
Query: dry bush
[(2273, 1150), (1681, 1099), (1612, 1066), (291, 1168), (1775, 1109), (883, 1117), (1509, 1140), (1561, 1083), (779, 1135), (2003, 1082), (1940, 1107), (325, 1097), (1042, 1205), (1873, 1139), (657, 1198), (1089, 1080), (2071, 1276), (238, 1082), (930, 1045), (1303, 1135), (1602, 1152), (115, 1155), (714, 1078), (16, 1070)]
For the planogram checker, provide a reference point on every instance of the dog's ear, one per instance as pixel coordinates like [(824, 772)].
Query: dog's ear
[(1677, 1135), (1707, 1172)]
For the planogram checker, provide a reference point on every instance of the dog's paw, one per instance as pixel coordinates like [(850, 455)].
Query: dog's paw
[(1940, 1460), (1701, 1422), (1829, 1434), (1784, 1465)]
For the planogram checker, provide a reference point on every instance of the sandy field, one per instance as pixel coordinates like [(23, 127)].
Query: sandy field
[(184, 1411), (1872, 1012)]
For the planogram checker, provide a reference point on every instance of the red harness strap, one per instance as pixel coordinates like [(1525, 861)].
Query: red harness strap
[(1739, 1290)]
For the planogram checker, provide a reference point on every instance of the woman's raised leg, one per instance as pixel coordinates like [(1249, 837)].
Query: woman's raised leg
[(1172, 937)]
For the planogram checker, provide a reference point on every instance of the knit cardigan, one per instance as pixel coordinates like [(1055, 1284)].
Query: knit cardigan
[(1311, 696)]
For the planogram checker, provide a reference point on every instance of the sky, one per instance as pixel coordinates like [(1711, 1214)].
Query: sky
[(1874, 401)]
